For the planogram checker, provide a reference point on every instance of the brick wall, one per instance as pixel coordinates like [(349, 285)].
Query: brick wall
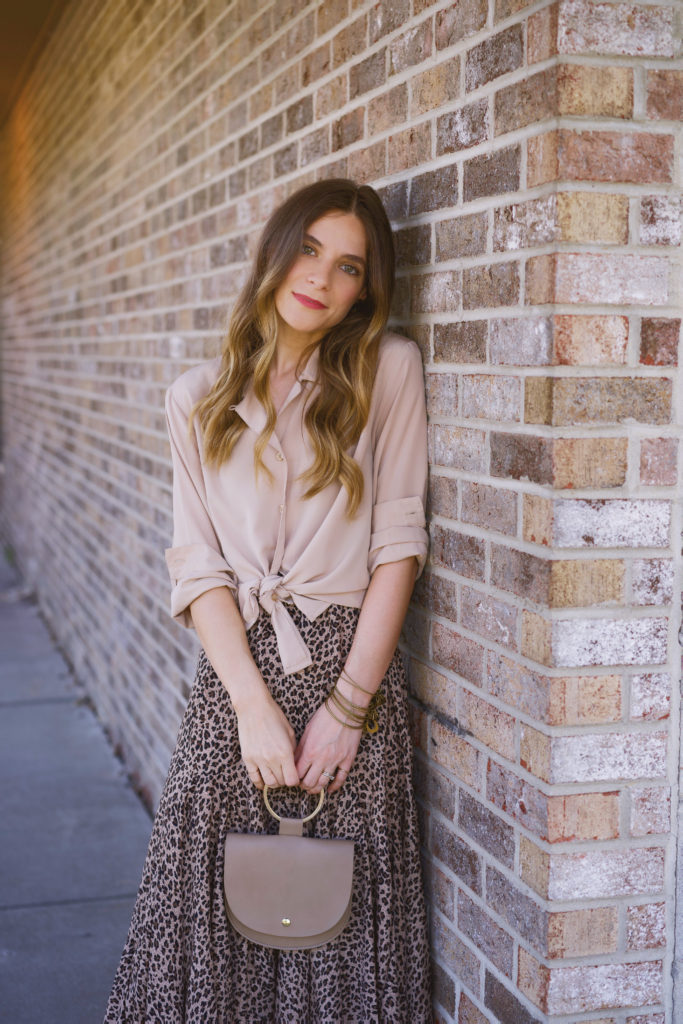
[(527, 155)]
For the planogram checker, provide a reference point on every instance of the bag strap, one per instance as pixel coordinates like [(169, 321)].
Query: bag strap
[(292, 826)]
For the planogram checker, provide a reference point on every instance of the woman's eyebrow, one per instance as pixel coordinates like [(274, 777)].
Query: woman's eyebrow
[(345, 256)]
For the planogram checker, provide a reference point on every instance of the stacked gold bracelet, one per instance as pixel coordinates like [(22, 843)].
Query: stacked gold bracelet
[(356, 716)]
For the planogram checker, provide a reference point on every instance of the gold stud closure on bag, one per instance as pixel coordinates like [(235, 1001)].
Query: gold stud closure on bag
[(286, 922)]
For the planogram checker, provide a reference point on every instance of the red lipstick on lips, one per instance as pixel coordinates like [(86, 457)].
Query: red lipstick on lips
[(306, 301)]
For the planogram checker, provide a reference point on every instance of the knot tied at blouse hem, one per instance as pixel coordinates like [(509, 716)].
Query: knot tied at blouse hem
[(270, 593)]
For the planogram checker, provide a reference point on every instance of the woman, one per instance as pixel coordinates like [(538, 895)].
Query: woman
[(300, 465)]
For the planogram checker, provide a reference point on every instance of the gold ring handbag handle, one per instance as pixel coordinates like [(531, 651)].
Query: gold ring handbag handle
[(277, 816)]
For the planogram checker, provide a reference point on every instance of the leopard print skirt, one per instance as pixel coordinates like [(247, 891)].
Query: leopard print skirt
[(183, 963)]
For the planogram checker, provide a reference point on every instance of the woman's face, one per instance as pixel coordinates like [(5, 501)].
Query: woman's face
[(326, 278)]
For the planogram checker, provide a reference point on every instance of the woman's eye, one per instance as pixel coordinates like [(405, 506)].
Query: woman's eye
[(307, 249), (349, 268)]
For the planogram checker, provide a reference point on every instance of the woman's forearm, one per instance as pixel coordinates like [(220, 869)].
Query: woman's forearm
[(220, 628), (379, 626)]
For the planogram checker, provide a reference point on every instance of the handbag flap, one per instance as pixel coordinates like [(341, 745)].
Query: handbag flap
[(288, 886)]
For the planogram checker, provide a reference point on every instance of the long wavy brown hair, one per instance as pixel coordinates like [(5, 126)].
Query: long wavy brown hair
[(336, 415)]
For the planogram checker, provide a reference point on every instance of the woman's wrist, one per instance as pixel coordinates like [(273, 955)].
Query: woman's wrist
[(359, 691)]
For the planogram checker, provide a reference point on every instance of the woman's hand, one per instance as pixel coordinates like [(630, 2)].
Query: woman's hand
[(267, 742), (326, 745)]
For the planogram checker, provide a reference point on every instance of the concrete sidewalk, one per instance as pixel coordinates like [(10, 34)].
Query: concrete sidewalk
[(74, 833)]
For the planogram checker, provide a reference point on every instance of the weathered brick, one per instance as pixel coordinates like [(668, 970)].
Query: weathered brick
[(409, 148), (646, 926), (650, 696), (542, 158), (434, 87), (457, 855), (438, 594), (591, 340), (453, 951), (592, 278), (436, 293), (583, 816), (594, 91), (329, 14), (623, 28), (530, 223), (457, 653), (492, 727), (388, 109), (586, 932), (497, 55), (412, 47), (659, 341), (468, 1013), (299, 114), (594, 757), (522, 341), (590, 461), (443, 988), (386, 18), (592, 217), (492, 174), (436, 789), (504, 1005), (521, 457), (435, 690), (493, 508), (460, 342), (529, 101), (348, 129), (519, 910), (650, 811), (601, 874), (575, 584), (461, 236), (413, 245), (660, 220), (612, 523), (458, 21), (665, 95), (314, 146), (368, 74), (350, 41), (659, 461), (434, 190), (488, 830), (367, 164), (458, 447), (486, 935), (583, 642), (572, 401), (614, 156), (520, 573), (583, 988), (652, 581), (517, 798), (462, 128), (442, 394), (491, 397), (542, 34), (331, 96), (443, 495), (491, 285), (493, 619)]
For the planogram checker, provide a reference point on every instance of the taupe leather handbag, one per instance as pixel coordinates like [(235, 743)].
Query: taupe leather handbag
[(288, 891)]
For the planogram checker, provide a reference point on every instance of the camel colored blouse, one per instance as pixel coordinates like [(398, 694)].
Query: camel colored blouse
[(260, 538)]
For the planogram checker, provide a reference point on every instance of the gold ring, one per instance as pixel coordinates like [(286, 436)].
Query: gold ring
[(277, 816)]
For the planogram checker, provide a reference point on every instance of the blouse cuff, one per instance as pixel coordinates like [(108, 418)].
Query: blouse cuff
[(398, 531), (194, 569)]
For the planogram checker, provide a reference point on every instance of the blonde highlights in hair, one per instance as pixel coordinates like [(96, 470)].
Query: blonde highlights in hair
[(348, 353)]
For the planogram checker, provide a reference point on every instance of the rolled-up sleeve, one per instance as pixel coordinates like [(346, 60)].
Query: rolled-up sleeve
[(400, 463), (195, 561)]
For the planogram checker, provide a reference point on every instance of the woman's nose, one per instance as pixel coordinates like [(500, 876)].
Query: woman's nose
[(319, 276)]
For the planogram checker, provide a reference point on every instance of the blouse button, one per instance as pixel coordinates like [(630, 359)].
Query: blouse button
[(279, 456)]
